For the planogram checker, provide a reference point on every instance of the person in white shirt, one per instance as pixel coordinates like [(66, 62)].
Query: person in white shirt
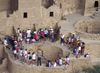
[(66, 60), (21, 54), (33, 58), (49, 32), (25, 56), (20, 36), (29, 58), (5, 43), (73, 37), (79, 48), (60, 61), (69, 40), (46, 33), (33, 40), (79, 51), (54, 63), (87, 55), (27, 40), (15, 55), (18, 31), (28, 33)]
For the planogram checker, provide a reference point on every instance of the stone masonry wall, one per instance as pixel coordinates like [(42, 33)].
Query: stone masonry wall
[(89, 7), (4, 4), (1, 51), (71, 6)]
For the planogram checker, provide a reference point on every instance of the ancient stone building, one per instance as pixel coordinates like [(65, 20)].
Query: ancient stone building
[(41, 12), (46, 13)]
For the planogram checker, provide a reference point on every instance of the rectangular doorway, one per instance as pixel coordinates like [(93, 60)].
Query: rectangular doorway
[(96, 4)]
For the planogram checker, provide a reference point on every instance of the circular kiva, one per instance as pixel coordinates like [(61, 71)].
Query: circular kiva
[(50, 52)]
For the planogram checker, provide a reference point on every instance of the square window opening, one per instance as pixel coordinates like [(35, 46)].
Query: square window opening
[(25, 15), (51, 14)]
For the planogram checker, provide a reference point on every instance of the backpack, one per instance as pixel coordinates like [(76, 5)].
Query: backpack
[(85, 55), (30, 57)]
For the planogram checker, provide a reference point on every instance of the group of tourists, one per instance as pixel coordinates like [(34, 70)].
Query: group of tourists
[(29, 37), (59, 62), (33, 37), (74, 44), (42, 35), (27, 57)]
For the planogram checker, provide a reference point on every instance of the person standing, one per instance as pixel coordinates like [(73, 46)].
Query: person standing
[(6, 43), (29, 58), (33, 58), (25, 56), (46, 33), (42, 35), (28, 33), (39, 58), (15, 55), (62, 39)]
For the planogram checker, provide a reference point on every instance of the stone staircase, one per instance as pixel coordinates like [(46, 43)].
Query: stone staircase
[(96, 14)]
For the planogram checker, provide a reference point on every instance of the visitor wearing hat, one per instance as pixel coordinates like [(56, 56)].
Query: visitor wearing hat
[(28, 33), (73, 37), (35, 35), (39, 58), (42, 35), (52, 35), (6, 43), (87, 55), (46, 33)]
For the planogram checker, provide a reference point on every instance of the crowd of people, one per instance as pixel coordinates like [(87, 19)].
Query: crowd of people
[(74, 44), (33, 37), (30, 37), (42, 35)]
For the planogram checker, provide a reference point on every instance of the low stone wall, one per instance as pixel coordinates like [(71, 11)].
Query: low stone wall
[(75, 64), (89, 26), (4, 64), (16, 68), (88, 35), (84, 29), (1, 51)]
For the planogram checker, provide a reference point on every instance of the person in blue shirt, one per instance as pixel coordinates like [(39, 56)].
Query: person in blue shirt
[(48, 64), (74, 50)]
